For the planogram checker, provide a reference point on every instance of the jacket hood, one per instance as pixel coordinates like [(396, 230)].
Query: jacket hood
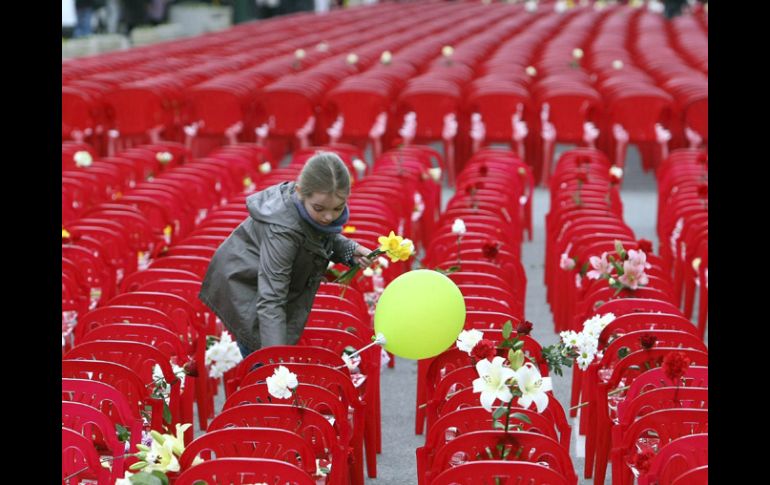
[(273, 205)]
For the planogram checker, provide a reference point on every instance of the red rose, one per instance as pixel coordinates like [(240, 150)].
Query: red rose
[(191, 368), (470, 189), (483, 170), (645, 245), (490, 249), (648, 341), (703, 190), (614, 179), (524, 328), (582, 177), (485, 349), (675, 365)]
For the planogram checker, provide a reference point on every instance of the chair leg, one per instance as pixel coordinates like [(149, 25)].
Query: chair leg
[(419, 417), (602, 452), (577, 380)]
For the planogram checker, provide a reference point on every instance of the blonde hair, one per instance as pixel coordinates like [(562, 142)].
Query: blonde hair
[(324, 172)]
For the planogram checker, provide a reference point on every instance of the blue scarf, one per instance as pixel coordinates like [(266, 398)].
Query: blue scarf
[(334, 228)]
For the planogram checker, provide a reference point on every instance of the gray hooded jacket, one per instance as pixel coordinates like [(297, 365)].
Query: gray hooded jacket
[(262, 280)]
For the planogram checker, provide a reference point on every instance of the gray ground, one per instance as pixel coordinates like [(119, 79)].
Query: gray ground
[(397, 465)]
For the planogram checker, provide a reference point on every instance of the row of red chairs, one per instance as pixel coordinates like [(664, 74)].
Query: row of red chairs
[(682, 226)]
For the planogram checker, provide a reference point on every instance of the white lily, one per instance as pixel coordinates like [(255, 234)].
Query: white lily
[(492, 381), (458, 227), (279, 385), (468, 339), (533, 387)]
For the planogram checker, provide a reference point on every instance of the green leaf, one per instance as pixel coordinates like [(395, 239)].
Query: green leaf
[(144, 478), (498, 425), (623, 351), (521, 417), (499, 412), (507, 329), (166, 413), (584, 269), (162, 476), (123, 433), (518, 344)]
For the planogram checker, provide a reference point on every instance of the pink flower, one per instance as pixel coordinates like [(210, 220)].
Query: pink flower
[(566, 263), (638, 258), (633, 276), (601, 266)]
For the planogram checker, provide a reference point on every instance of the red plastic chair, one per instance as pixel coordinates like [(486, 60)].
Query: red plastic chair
[(677, 458), (78, 453), (696, 476), (110, 314), (493, 472), (272, 443), (243, 471), (516, 445), (311, 425), (111, 402), (95, 426)]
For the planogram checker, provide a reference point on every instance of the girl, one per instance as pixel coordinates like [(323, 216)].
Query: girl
[(262, 279)]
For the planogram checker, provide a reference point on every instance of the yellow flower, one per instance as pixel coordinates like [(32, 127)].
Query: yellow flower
[(65, 234), (390, 243), (349, 229), (405, 250)]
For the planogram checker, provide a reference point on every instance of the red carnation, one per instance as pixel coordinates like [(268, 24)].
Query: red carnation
[(483, 170), (645, 245), (484, 349), (191, 368), (490, 249), (675, 365), (582, 177), (641, 461), (648, 341), (703, 190), (524, 328), (614, 179)]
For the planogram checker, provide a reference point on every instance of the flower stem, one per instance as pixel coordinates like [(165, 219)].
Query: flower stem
[(611, 393)]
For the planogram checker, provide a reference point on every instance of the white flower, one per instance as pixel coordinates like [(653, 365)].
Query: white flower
[(458, 227), (617, 64), (222, 356), (265, 167), (560, 6), (279, 385), (83, 159), (616, 171), (447, 51), (530, 6), (368, 272), (180, 374), (566, 263), (570, 338), (577, 53), (352, 367), (435, 174), (533, 387), (696, 264), (386, 57), (492, 381), (164, 157), (587, 344), (531, 71), (468, 339), (359, 165), (612, 281), (299, 54), (583, 361), (656, 6), (352, 59)]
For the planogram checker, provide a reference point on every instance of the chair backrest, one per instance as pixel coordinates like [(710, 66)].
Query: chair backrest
[(677, 458), (494, 472), (663, 398), (696, 476), (111, 314), (666, 424), (310, 424), (94, 425), (515, 445), (133, 281), (158, 337), (694, 376), (273, 443), (122, 378), (77, 453), (242, 471)]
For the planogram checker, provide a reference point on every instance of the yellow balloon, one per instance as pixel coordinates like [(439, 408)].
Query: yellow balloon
[(420, 313)]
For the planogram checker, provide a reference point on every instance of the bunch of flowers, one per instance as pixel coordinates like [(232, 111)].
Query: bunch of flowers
[(505, 379), (623, 270), (584, 346), (397, 248), (222, 354), (161, 389), (158, 458)]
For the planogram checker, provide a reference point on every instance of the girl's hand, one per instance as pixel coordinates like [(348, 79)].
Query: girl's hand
[(360, 256)]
